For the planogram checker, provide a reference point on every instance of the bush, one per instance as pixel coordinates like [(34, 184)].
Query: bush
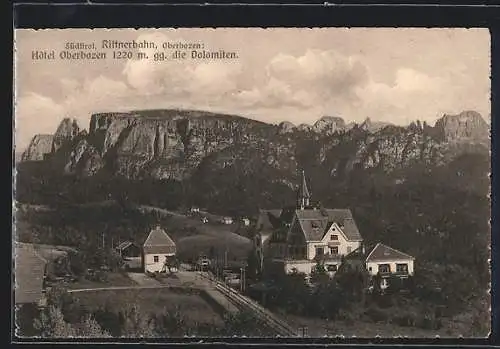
[(406, 319), (429, 322), (376, 314), (76, 263)]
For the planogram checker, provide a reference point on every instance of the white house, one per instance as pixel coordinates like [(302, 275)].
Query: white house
[(387, 261), (245, 221), (306, 235), (227, 220), (319, 235), (158, 249), (297, 239)]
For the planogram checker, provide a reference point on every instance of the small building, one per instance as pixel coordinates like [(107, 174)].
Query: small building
[(389, 262), (128, 249), (130, 253), (195, 209), (158, 249), (227, 220), (29, 276), (204, 220)]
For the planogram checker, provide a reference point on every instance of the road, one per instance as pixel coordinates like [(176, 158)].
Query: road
[(142, 279), (182, 278)]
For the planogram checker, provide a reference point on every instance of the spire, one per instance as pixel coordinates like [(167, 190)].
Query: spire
[(303, 193)]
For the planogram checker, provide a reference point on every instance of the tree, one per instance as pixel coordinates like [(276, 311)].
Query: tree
[(377, 284), (171, 323), (352, 284), (51, 324), (137, 325), (319, 274), (244, 323), (90, 328), (24, 317), (253, 266)]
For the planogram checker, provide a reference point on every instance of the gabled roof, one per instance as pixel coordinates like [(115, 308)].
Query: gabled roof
[(125, 244), (158, 237), (383, 252), (158, 242), (315, 222), (29, 272), (269, 219)]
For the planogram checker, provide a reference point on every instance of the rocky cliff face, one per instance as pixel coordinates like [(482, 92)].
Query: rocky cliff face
[(168, 143), (181, 144), (68, 129), (466, 125), (329, 125), (39, 147)]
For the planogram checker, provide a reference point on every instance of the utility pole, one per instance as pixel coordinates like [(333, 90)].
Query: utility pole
[(242, 281), (244, 277), (103, 240)]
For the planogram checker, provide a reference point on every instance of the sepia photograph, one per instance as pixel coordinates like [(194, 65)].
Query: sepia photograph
[(250, 182)]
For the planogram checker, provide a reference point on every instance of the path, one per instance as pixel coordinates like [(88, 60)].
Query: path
[(161, 210), (142, 279), (110, 288)]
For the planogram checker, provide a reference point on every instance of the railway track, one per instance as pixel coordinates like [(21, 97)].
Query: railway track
[(281, 327)]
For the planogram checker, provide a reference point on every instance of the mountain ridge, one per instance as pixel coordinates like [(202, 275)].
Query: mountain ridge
[(176, 143)]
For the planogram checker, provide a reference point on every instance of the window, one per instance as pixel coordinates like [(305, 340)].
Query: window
[(319, 251), (402, 268), (349, 249), (384, 268), (156, 259), (331, 267), (334, 250), (334, 237)]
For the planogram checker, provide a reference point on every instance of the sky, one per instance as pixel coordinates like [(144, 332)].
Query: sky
[(395, 75)]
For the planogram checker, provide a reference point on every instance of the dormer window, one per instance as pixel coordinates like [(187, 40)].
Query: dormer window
[(334, 237)]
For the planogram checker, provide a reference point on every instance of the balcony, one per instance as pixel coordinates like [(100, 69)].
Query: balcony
[(401, 273), (333, 243)]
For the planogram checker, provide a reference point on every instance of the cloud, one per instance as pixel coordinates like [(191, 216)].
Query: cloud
[(180, 78), (35, 114), (289, 84)]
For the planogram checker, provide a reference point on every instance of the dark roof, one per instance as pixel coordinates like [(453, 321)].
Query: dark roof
[(315, 222), (126, 244), (383, 252), (159, 242), (269, 219), (273, 219), (29, 272)]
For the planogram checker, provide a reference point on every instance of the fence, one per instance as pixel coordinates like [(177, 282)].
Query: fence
[(272, 320)]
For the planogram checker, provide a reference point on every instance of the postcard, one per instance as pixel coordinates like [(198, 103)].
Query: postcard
[(299, 182)]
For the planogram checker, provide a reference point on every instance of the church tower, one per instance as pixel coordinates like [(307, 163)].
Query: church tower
[(303, 195)]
